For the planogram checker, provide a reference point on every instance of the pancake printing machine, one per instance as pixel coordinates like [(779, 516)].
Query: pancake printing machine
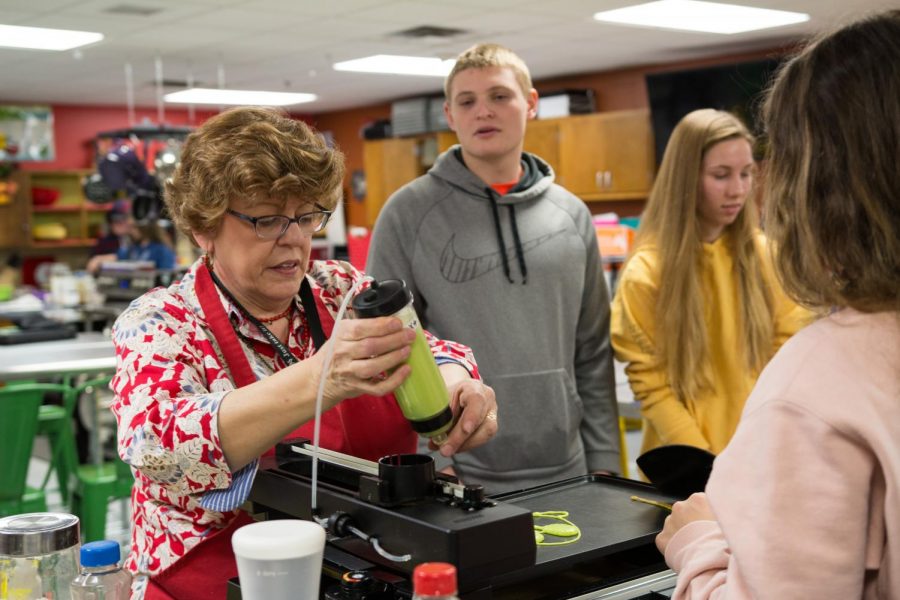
[(384, 518)]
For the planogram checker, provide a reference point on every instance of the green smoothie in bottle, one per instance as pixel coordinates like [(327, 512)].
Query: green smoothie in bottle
[(423, 396)]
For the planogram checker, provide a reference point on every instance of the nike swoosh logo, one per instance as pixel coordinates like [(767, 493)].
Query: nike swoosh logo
[(457, 269)]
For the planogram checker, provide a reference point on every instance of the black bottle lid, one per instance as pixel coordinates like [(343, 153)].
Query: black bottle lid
[(384, 298)]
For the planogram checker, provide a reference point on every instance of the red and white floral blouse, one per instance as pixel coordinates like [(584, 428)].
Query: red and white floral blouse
[(169, 384)]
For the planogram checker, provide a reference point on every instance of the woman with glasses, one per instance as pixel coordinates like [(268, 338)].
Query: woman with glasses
[(219, 367)]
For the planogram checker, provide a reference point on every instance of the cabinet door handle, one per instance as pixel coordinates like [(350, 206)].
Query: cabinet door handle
[(607, 179), (598, 180)]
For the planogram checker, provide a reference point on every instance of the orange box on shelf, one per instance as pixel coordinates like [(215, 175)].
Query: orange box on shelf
[(614, 240)]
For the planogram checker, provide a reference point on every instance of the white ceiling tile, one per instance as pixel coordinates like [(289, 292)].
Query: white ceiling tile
[(311, 7), (404, 13), (15, 17), (31, 6), (241, 19), (292, 43)]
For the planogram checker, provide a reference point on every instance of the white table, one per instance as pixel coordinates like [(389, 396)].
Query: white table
[(89, 353)]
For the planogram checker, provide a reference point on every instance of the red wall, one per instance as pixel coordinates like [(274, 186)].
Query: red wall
[(74, 128)]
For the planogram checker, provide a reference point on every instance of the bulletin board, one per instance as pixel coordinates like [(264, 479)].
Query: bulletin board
[(26, 133)]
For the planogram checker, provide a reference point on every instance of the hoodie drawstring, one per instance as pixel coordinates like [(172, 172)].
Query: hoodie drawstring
[(520, 254), (496, 213)]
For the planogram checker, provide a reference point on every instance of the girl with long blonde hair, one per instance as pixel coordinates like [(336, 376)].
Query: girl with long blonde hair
[(698, 311)]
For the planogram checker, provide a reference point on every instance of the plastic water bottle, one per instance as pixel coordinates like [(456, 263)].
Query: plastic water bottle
[(423, 396), (434, 581), (101, 577)]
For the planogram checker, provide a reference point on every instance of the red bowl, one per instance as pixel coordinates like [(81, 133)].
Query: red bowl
[(44, 196)]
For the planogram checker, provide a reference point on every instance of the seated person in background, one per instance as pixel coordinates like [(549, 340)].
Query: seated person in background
[(119, 223), (698, 311), (149, 243), (803, 503), (219, 367), (146, 242)]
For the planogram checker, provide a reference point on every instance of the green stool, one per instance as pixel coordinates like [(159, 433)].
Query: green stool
[(19, 409), (95, 485), (52, 421)]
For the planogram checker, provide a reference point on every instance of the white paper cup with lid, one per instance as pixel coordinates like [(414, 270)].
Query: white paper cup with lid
[(279, 559)]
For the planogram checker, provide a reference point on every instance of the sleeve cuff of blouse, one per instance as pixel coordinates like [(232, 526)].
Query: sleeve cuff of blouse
[(443, 360), (704, 537), (233, 496)]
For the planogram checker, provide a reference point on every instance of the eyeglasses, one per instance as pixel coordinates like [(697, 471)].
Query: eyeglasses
[(271, 227)]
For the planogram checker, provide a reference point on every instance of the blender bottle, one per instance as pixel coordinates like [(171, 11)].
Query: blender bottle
[(423, 396)]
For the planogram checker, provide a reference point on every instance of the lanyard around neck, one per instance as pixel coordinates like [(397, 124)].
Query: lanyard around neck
[(282, 350), (309, 308)]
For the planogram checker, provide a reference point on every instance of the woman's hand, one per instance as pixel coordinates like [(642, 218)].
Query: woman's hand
[(475, 406), (695, 508), (364, 352)]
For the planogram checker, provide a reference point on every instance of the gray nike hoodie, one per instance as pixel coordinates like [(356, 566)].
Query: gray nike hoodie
[(517, 278)]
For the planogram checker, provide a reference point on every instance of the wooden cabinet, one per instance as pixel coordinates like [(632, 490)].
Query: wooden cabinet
[(389, 164), (13, 219), (82, 220), (598, 157), (541, 138), (445, 140), (607, 156)]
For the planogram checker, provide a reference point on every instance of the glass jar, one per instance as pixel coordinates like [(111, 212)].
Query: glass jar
[(38, 556)]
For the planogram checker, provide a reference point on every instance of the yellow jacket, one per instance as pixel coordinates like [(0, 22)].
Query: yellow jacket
[(709, 419)]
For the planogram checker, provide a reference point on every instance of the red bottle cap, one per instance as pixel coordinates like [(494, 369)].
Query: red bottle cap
[(434, 579)]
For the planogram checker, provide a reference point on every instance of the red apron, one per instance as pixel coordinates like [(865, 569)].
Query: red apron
[(366, 426)]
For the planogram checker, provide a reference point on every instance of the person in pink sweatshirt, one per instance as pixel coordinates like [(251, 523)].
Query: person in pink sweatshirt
[(804, 502)]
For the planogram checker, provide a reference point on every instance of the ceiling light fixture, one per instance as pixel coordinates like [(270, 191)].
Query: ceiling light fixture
[(40, 38), (695, 15), (398, 65), (213, 96)]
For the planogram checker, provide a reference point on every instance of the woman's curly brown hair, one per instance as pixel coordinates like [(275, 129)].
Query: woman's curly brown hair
[(251, 153)]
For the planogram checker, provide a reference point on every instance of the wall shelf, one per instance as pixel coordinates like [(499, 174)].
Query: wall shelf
[(67, 243), (82, 219)]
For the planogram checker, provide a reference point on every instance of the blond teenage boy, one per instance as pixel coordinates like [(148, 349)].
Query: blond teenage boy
[(504, 260)]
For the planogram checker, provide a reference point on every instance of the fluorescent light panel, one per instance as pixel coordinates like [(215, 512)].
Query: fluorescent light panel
[(398, 65), (39, 38), (694, 15), (215, 96)]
